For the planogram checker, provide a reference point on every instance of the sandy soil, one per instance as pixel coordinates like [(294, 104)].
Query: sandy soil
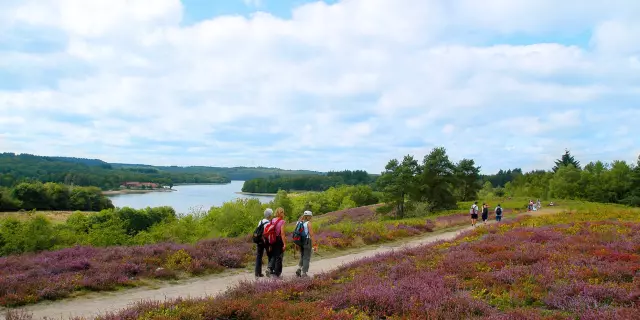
[(94, 304)]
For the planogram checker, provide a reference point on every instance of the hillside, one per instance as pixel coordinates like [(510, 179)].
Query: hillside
[(233, 173), (16, 168)]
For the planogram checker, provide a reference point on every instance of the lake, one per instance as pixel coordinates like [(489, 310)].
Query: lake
[(186, 198)]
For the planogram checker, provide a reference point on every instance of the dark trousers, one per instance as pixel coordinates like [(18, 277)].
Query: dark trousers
[(259, 254), (498, 218), (276, 253)]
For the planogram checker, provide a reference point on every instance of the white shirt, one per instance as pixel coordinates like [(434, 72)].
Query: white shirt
[(263, 221)]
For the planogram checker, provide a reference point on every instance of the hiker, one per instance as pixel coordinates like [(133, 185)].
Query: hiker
[(474, 213), (275, 239), (485, 213), (303, 236), (498, 213), (259, 240), (539, 204)]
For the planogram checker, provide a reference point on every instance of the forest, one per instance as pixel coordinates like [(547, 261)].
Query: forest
[(52, 196), (309, 182), (437, 183), (85, 172)]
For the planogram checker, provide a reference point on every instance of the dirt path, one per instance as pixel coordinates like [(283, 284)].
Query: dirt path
[(92, 305)]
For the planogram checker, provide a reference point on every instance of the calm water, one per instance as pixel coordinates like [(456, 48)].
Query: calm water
[(186, 198)]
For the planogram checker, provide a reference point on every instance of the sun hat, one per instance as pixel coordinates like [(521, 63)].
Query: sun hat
[(308, 213)]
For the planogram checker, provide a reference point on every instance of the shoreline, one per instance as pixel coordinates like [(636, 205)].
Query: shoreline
[(133, 191), (256, 194)]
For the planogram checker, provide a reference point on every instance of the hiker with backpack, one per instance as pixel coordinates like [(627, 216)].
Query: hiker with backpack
[(474, 213), (259, 241), (485, 213), (498, 213), (302, 236), (274, 239)]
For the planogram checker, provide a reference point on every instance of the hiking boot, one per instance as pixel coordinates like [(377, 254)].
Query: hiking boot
[(304, 275), (268, 273), (298, 272)]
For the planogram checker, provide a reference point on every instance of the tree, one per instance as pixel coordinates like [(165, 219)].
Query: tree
[(467, 180), (565, 182), (566, 160), (398, 181), (436, 181)]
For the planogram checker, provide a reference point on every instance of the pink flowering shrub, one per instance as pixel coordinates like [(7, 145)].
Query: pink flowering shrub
[(585, 270), (51, 275)]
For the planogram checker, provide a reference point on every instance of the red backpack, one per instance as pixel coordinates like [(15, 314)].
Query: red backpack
[(270, 233)]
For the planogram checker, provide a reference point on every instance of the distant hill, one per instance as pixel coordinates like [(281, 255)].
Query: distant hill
[(233, 173), (15, 168)]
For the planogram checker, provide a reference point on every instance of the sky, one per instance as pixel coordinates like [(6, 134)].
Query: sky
[(321, 85)]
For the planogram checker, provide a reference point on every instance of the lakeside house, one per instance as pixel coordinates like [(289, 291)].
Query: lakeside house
[(139, 185)]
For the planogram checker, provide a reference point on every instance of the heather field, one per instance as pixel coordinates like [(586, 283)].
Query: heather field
[(50, 275), (572, 265)]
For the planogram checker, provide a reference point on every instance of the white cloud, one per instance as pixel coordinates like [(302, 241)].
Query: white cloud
[(335, 86)]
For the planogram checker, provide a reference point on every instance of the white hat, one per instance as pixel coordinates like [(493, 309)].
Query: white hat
[(268, 213), (308, 213)]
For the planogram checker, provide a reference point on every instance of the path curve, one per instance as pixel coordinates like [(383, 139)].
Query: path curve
[(92, 305)]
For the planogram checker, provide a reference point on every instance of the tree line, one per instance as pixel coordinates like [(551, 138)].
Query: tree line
[(615, 182), (308, 182), (15, 169), (436, 181), (52, 196), (439, 183)]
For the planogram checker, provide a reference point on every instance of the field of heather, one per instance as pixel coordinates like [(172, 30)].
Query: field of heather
[(582, 265), (50, 275)]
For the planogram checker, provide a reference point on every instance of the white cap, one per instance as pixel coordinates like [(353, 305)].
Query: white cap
[(308, 213)]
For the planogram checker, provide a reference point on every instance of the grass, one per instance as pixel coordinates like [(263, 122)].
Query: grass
[(578, 264)]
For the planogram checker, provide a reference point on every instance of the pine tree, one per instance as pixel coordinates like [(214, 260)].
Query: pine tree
[(566, 160)]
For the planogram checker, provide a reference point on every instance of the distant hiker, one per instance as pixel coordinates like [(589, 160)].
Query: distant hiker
[(259, 241), (302, 237), (474, 213), (530, 205), (485, 213), (539, 204), (498, 213), (274, 237)]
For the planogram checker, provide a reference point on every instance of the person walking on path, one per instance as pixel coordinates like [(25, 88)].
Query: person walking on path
[(279, 246), (498, 213), (261, 246), (306, 244), (485, 213), (474, 213)]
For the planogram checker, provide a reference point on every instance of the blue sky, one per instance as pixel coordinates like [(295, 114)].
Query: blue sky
[(323, 85)]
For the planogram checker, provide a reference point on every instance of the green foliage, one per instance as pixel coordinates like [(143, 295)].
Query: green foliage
[(15, 169), (503, 177), (52, 196), (468, 176), (237, 218), (618, 182), (566, 160), (436, 183), (308, 182), (105, 228), (398, 182)]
